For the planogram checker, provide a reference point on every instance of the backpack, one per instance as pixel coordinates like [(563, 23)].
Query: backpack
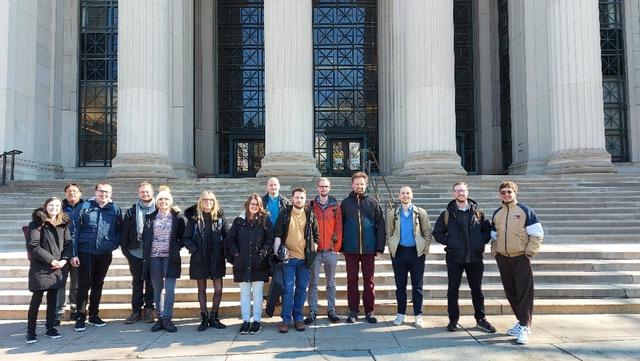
[(27, 236)]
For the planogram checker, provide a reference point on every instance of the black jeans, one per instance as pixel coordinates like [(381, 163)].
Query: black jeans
[(36, 300), (141, 289), (70, 273), (474, 273), (406, 261), (91, 273)]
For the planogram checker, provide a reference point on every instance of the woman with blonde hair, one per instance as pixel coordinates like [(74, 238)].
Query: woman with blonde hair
[(249, 241), (50, 249), (204, 235)]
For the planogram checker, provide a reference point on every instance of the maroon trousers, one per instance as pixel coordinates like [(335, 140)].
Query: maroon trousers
[(354, 262)]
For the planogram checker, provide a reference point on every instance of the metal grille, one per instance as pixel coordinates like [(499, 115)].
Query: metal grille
[(465, 83), (505, 83), (98, 80), (240, 76), (614, 82), (345, 75)]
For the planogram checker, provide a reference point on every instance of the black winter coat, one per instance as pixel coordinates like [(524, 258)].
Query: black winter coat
[(250, 243), (175, 243), (311, 235), (46, 243), (454, 234), (205, 242)]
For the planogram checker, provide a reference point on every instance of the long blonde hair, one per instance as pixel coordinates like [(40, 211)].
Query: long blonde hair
[(214, 212)]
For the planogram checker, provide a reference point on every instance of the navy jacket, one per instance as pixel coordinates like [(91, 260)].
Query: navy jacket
[(96, 230), (362, 224)]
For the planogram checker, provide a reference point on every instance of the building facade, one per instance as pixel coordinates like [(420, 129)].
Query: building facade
[(241, 88)]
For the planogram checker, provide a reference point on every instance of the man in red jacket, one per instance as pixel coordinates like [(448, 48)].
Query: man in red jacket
[(329, 216)]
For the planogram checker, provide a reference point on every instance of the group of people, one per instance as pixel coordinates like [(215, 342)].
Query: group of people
[(289, 240)]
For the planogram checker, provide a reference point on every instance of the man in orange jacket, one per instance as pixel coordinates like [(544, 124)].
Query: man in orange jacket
[(329, 216)]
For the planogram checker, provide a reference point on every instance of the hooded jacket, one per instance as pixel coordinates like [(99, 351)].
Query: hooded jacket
[(205, 241), (249, 243), (516, 230), (363, 229), (329, 220), (96, 230), (311, 236), (463, 241), (47, 243), (175, 243)]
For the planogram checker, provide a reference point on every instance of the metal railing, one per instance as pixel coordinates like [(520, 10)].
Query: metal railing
[(4, 156), (371, 160)]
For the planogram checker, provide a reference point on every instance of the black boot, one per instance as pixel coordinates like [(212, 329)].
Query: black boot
[(214, 321), (204, 322)]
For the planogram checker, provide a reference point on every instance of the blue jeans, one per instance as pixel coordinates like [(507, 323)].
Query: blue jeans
[(164, 302), (295, 273)]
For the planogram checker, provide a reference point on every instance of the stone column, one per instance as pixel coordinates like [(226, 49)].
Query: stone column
[(288, 89), (143, 90), (575, 89), (430, 90)]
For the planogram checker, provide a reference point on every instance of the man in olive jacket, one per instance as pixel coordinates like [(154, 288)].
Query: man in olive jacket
[(408, 239), (464, 231)]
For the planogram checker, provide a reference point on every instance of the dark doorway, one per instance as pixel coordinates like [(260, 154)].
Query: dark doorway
[(346, 156), (247, 156)]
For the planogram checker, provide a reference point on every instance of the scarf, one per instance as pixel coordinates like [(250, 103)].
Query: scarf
[(142, 209)]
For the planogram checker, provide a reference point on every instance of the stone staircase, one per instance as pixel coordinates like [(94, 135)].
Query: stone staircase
[(589, 263)]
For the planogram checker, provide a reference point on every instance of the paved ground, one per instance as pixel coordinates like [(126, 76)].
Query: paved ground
[(555, 337)]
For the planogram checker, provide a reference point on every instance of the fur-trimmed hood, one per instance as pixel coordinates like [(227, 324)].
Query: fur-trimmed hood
[(40, 216)]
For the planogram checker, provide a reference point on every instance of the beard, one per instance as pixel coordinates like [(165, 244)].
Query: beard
[(298, 207)]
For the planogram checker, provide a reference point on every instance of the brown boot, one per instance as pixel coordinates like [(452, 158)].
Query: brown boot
[(284, 327), (299, 326)]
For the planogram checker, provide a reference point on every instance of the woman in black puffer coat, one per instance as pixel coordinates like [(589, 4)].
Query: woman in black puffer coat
[(204, 238), (50, 248), (249, 242)]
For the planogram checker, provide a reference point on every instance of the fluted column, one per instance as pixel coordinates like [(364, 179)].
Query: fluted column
[(575, 89), (143, 90), (430, 89), (288, 89)]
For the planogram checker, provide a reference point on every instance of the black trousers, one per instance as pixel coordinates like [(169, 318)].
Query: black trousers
[(406, 261), (36, 300), (68, 273), (474, 273), (141, 288), (91, 274), (517, 280)]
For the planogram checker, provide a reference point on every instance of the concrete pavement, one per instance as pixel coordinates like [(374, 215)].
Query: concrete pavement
[(554, 337)]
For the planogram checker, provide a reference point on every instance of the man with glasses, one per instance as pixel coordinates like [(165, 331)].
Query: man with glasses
[(141, 287), (96, 234), (73, 200), (329, 216), (463, 229), (515, 239)]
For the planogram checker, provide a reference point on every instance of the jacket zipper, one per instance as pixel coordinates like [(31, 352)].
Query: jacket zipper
[(360, 226), (506, 226)]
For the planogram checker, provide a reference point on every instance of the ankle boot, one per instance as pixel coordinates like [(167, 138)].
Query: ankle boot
[(214, 321), (204, 321)]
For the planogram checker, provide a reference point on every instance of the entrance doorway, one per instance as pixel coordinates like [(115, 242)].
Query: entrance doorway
[(247, 156), (345, 156)]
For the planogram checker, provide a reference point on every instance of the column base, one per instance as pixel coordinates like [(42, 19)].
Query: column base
[(431, 163), (580, 161), (288, 164), (141, 166), (535, 166)]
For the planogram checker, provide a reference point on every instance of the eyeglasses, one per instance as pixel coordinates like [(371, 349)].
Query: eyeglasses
[(102, 191), (506, 192), (324, 186), (253, 204), (459, 190), (208, 200)]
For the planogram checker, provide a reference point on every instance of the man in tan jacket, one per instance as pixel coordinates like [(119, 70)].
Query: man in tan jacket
[(408, 240), (516, 237)]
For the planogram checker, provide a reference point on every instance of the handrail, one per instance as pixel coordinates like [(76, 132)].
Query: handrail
[(4, 155), (371, 158)]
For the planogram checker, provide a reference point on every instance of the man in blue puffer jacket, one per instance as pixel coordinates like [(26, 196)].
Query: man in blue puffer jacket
[(363, 239), (96, 233)]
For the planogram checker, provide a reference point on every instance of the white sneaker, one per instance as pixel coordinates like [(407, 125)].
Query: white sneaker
[(513, 331), (399, 320), (419, 322), (523, 335)]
